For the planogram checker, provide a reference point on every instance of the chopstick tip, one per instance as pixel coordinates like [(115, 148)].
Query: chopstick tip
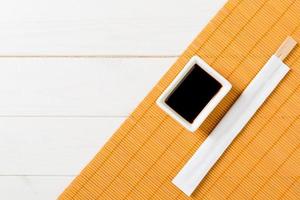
[(286, 47)]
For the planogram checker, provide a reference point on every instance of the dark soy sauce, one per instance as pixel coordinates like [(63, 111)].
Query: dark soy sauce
[(193, 93)]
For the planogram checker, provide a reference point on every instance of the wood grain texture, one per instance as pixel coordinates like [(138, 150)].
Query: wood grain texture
[(143, 156), (76, 87), (56, 58), (51, 145), (32, 187), (56, 113), (101, 28)]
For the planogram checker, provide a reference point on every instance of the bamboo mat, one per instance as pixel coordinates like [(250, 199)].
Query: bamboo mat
[(149, 149)]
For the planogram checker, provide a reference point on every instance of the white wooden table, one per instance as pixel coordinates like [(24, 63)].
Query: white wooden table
[(70, 73)]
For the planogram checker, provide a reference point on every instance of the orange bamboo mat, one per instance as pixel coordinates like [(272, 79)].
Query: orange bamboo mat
[(148, 150)]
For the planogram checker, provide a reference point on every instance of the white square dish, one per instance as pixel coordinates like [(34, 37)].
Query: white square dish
[(197, 82)]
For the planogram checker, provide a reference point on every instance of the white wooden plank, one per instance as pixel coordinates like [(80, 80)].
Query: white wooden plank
[(32, 187), (101, 27), (81, 86), (51, 146)]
